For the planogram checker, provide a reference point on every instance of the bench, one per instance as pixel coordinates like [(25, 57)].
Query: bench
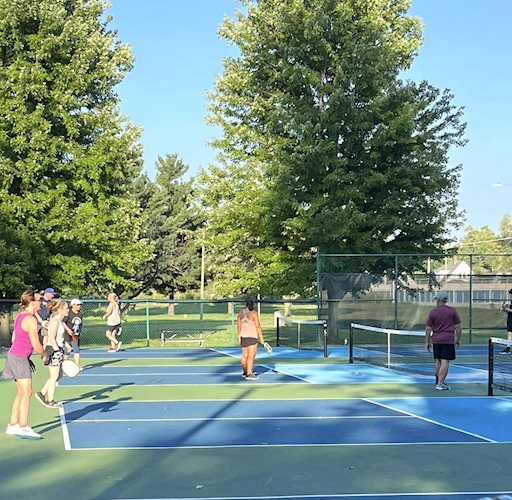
[(181, 334)]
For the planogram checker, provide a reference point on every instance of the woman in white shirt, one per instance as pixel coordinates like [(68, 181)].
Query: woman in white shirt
[(113, 317), (59, 310)]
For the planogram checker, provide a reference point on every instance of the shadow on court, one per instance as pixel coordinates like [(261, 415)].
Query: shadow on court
[(74, 415), (102, 363)]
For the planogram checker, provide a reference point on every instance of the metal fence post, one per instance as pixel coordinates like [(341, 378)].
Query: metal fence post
[(233, 325), (147, 324)]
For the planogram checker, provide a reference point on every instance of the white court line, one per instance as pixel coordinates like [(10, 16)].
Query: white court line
[(230, 400), (337, 495), (269, 368), (208, 419), (430, 420), (65, 430), (246, 446), (175, 374)]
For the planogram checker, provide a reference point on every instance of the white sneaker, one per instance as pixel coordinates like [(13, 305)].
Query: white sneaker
[(119, 344), (12, 429), (111, 350), (442, 387), (27, 433)]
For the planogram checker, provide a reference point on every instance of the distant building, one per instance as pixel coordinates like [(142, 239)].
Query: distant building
[(453, 272)]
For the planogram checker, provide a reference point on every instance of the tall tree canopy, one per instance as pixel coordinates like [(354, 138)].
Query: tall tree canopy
[(323, 143), (171, 222), (68, 158), (486, 245)]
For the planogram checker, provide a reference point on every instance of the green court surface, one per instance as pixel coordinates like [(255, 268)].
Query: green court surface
[(308, 464)]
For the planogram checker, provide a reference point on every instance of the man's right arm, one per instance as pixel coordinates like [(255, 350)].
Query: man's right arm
[(428, 337), (458, 334)]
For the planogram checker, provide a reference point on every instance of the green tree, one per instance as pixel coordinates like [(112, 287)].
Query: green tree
[(171, 222), (323, 143), (68, 158), (486, 247)]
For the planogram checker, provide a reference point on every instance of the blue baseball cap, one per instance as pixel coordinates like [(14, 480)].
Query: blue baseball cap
[(441, 295), (50, 290)]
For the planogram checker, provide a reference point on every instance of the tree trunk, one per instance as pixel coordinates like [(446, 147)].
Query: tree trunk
[(170, 309), (172, 305), (332, 321)]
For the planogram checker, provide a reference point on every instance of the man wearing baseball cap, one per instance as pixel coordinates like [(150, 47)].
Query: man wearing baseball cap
[(43, 315), (444, 333), (73, 328)]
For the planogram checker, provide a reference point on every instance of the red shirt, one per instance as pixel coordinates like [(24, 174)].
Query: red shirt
[(442, 319)]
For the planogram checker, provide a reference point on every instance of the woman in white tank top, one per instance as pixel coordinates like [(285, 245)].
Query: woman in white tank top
[(113, 317), (59, 310), (249, 329)]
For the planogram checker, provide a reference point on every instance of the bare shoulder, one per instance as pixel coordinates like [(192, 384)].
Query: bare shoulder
[(29, 320)]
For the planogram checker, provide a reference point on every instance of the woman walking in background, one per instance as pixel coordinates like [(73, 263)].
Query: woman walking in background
[(113, 317), (19, 366), (249, 329), (59, 310)]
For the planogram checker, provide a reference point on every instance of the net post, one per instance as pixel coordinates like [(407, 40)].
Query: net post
[(389, 350), (350, 344), (325, 338), (490, 371), (277, 330)]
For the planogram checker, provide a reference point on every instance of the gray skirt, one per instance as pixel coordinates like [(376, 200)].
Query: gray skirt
[(17, 368)]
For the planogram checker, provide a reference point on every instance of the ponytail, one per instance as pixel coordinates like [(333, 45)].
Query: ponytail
[(249, 303)]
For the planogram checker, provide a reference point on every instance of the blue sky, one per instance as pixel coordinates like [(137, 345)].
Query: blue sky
[(466, 49)]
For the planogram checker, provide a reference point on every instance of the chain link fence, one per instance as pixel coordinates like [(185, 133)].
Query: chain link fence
[(397, 290), (180, 323)]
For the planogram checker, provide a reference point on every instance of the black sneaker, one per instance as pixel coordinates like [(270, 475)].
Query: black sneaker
[(40, 397), (505, 351), (54, 404), (251, 376)]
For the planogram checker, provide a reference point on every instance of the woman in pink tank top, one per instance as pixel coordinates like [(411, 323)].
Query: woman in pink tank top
[(249, 329), (19, 366)]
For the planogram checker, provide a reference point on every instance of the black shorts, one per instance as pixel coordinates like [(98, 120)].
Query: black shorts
[(247, 341), (509, 323), (444, 351), (114, 329)]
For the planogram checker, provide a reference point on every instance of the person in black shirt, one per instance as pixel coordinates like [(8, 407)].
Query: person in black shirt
[(73, 328), (507, 308), (43, 315)]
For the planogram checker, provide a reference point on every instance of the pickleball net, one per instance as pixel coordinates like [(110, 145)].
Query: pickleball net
[(499, 365), (301, 334), (402, 350)]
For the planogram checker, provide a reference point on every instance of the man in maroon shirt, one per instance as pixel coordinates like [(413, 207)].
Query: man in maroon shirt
[(444, 333)]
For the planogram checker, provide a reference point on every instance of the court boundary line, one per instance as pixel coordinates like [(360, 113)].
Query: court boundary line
[(334, 398), (335, 495), (227, 384), (318, 445), (431, 421), (214, 419), (267, 367), (65, 430)]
